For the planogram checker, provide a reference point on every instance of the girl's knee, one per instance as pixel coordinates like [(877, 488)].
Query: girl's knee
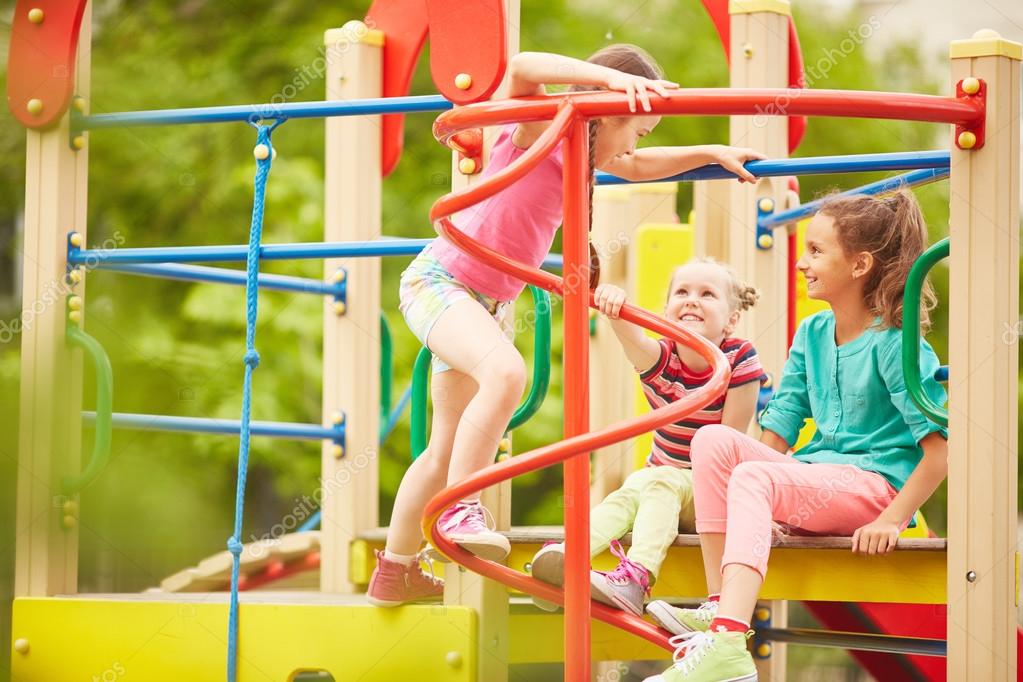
[(505, 375), (747, 475), (710, 444)]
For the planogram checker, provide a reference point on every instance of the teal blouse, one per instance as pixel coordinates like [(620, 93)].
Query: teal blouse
[(857, 396)]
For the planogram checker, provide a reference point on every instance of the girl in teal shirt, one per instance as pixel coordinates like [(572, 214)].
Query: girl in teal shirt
[(874, 459)]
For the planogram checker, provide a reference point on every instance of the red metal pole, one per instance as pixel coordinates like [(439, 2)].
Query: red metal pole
[(577, 401)]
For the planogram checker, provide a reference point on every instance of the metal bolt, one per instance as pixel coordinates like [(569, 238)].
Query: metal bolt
[(971, 576)]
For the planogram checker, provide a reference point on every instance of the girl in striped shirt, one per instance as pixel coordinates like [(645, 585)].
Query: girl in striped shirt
[(654, 502)]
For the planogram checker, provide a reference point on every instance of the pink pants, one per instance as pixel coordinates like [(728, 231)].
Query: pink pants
[(741, 486)]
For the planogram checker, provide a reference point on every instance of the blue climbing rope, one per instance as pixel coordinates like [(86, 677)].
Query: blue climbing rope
[(264, 156)]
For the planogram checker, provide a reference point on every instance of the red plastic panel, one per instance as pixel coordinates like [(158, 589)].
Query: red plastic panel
[(980, 97), (467, 38), (718, 11), (404, 25), (41, 62)]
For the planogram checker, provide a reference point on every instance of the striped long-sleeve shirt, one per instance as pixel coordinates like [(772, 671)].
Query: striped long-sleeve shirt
[(670, 380)]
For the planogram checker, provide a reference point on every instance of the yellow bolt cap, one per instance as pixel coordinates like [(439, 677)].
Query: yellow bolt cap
[(68, 521), (764, 650), (79, 104), (454, 659), (766, 205), (503, 456), (21, 645), (78, 142), (340, 308), (463, 81), (35, 106), (966, 140), (504, 445), (467, 166), (337, 451), (261, 151), (971, 86), (70, 507), (74, 302), (339, 276), (762, 614), (35, 15), (76, 240), (338, 418), (765, 241), (75, 316), (74, 276)]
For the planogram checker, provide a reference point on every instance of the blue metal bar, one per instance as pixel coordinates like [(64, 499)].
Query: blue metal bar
[(105, 258), (942, 373), (912, 179), (311, 523), (155, 422), (199, 273), (256, 112), (815, 165)]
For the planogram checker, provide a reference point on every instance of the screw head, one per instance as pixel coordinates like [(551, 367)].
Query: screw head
[(747, 50), (971, 576), (966, 140)]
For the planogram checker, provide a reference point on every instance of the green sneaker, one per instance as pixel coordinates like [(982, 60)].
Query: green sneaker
[(682, 621), (710, 657)]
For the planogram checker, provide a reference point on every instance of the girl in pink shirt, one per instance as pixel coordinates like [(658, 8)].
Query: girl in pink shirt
[(455, 305)]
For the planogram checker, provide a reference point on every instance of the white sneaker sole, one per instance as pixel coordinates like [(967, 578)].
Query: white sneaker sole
[(744, 678), (664, 615), (548, 567), (490, 547)]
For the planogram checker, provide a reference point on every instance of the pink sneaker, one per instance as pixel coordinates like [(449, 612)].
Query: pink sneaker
[(394, 583), (626, 587), (466, 524)]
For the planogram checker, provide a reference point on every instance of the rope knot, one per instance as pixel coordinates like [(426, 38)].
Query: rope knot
[(252, 358), (234, 546)]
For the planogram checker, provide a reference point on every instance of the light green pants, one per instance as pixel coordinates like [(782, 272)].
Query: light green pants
[(654, 503)]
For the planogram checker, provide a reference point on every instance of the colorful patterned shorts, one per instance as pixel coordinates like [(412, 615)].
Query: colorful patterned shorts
[(427, 290)]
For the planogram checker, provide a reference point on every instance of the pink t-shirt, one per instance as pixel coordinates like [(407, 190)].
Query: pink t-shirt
[(519, 222)]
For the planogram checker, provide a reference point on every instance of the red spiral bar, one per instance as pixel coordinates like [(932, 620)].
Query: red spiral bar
[(965, 111), (567, 125)]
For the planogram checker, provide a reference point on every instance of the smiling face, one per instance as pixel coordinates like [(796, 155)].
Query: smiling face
[(619, 136), (831, 274), (700, 298)]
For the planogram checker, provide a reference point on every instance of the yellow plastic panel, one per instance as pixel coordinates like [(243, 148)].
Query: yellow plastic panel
[(162, 639)]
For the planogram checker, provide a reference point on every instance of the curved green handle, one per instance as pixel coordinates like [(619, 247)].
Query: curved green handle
[(104, 410), (537, 392), (911, 332)]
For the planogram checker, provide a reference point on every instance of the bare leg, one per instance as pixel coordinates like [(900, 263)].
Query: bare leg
[(741, 585), (712, 545), (451, 392), (468, 339)]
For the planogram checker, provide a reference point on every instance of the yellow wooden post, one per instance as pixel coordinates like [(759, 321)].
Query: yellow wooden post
[(611, 374), (984, 361), (488, 598), (56, 183), (759, 59), (351, 338)]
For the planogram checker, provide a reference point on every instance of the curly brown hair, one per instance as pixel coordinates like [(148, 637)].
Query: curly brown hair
[(892, 230)]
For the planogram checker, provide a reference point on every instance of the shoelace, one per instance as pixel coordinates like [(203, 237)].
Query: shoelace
[(626, 571), (476, 516), (424, 555), (707, 610), (690, 648)]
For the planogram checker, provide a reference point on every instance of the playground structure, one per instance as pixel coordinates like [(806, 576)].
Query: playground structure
[(479, 632)]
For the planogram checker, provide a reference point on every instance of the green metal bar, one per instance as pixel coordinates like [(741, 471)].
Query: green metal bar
[(386, 370), (420, 381), (541, 359), (537, 392), (104, 410), (911, 331)]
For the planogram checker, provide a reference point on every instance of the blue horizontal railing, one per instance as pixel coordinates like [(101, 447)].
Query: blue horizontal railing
[(257, 112), (914, 178), (155, 422), (106, 258), (198, 273)]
